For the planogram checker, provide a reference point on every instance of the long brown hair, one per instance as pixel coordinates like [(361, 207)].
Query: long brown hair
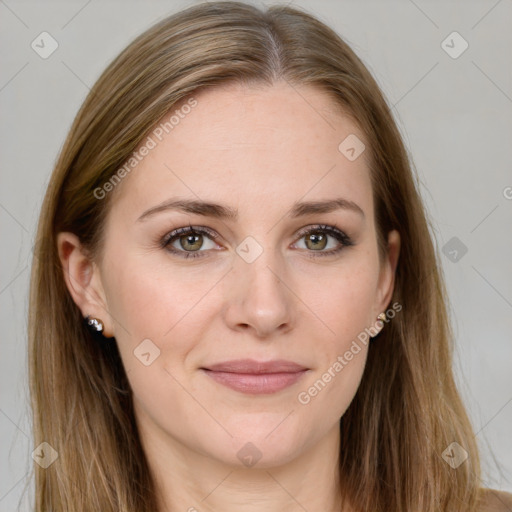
[(407, 410)]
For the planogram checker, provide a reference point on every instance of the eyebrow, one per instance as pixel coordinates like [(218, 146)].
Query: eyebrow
[(207, 209)]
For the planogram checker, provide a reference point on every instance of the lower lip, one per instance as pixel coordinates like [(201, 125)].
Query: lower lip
[(256, 384)]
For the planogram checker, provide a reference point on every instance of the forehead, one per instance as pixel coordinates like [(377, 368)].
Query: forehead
[(238, 143)]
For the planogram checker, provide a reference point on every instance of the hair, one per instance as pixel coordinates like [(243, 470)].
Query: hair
[(407, 409)]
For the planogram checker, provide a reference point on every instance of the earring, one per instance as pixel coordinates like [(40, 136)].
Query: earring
[(94, 325), (381, 317)]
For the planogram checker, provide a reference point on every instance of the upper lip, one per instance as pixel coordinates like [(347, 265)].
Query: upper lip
[(256, 367)]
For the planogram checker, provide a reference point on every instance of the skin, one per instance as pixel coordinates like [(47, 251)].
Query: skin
[(257, 149)]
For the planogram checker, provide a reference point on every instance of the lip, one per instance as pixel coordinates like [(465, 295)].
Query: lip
[(254, 377), (252, 366)]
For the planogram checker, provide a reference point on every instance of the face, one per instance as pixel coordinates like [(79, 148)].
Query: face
[(274, 280)]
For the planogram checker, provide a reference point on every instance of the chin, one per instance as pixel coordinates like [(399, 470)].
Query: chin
[(260, 450)]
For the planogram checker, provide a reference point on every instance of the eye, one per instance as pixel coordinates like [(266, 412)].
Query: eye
[(186, 241), (316, 239)]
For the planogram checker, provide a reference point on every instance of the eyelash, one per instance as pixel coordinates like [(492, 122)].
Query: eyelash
[(333, 231)]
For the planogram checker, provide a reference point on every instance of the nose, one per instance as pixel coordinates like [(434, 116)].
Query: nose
[(258, 299)]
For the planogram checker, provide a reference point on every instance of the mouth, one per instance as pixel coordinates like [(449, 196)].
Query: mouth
[(253, 377)]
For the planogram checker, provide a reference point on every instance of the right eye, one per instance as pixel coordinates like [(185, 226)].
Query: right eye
[(186, 241)]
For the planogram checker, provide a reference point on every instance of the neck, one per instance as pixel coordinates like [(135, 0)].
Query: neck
[(187, 480)]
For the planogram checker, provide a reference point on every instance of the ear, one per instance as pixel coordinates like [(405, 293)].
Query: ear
[(83, 280), (387, 273)]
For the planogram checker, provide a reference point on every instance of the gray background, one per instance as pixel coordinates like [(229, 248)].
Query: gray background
[(454, 114)]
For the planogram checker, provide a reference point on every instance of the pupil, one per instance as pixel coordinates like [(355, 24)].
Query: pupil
[(192, 239), (316, 240)]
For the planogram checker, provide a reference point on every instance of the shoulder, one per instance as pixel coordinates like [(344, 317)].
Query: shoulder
[(494, 501)]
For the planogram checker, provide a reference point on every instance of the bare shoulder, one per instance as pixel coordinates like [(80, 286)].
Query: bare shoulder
[(495, 501)]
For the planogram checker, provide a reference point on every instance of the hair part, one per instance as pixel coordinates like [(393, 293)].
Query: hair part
[(407, 409)]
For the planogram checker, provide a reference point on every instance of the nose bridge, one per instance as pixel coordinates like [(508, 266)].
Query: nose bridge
[(263, 274), (259, 297)]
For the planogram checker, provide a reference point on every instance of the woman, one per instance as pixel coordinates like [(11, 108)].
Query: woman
[(236, 303)]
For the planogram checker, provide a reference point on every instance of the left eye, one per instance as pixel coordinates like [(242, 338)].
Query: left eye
[(316, 239)]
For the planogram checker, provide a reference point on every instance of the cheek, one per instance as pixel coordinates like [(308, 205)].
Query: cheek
[(343, 300), (147, 302), (155, 313), (343, 304), (333, 386), (345, 308)]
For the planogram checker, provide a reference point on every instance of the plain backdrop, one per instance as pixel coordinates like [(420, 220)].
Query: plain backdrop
[(455, 113)]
